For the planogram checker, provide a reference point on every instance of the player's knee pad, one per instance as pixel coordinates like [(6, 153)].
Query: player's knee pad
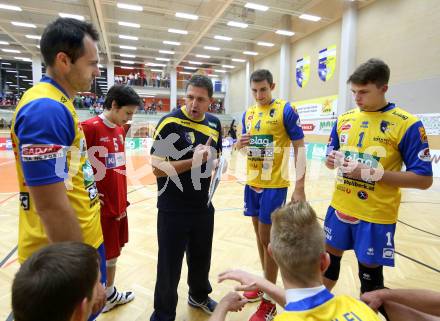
[(371, 278), (111, 263), (332, 272)]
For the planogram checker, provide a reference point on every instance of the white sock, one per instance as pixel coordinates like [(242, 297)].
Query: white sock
[(109, 290)]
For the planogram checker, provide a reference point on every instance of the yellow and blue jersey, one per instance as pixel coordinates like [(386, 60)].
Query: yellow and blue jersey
[(271, 128), (175, 138), (324, 306), (50, 147), (385, 139)]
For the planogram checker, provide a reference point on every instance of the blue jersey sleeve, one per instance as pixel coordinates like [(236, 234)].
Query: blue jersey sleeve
[(243, 123), (333, 140), (45, 130), (414, 149), (292, 123)]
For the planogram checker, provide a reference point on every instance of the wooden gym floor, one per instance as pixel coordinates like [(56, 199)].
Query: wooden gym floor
[(417, 239)]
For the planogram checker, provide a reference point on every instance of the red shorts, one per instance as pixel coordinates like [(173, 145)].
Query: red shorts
[(115, 235)]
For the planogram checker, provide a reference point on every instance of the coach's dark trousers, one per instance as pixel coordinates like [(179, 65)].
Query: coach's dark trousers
[(177, 233)]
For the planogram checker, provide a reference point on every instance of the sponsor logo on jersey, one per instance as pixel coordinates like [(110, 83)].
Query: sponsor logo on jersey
[(370, 251), (93, 191), (404, 117), (105, 139), (25, 201), (423, 137), (384, 126), (260, 114), (89, 179), (345, 127), (272, 112), (261, 140), (260, 146), (30, 153), (190, 137), (388, 253), (343, 138), (343, 188), (211, 124), (382, 140), (364, 124), (115, 160), (424, 155), (363, 195)]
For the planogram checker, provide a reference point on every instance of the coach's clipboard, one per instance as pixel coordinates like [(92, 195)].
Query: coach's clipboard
[(216, 178)]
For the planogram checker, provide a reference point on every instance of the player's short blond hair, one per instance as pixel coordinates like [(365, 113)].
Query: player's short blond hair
[(297, 241)]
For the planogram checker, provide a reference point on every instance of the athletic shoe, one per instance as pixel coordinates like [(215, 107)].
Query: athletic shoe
[(208, 305), (117, 298), (253, 296), (266, 311)]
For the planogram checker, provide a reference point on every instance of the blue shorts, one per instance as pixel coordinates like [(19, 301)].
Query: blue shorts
[(263, 203), (373, 243), (103, 269)]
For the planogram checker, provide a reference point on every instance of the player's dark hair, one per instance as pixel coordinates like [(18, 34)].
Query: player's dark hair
[(262, 75), (65, 35), (123, 96), (373, 71), (53, 281), (201, 81)]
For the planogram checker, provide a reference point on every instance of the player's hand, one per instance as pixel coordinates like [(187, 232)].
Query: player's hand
[(248, 281), (244, 139), (202, 153), (99, 301), (360, 171), (121, 216), (298, 195), (233, 302), (334, 160), (373, 299), (101, 198)]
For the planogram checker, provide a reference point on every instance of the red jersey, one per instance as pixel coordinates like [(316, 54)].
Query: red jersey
[(108, 164)]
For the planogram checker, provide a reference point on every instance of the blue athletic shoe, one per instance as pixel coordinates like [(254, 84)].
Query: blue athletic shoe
[(207, 305)]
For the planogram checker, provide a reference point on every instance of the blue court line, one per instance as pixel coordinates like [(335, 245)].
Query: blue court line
[(8, 256)]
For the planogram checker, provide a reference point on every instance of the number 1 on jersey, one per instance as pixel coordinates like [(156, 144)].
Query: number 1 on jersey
[(361, 138), (388, 234)]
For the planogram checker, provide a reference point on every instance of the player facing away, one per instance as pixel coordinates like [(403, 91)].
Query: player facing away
[(270, 126), (368, 145), (297, 245), (105, 137)]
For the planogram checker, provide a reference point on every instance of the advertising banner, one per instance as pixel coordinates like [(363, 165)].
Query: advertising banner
[(303, 71), (327, 63)]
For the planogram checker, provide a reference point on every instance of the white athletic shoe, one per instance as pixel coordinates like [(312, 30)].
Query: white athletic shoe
[(117, 298)]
